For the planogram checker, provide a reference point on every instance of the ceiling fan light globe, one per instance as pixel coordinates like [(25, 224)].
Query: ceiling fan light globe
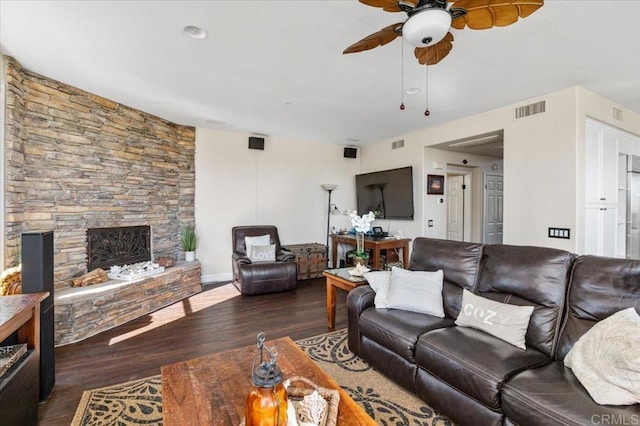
[(427, 28)]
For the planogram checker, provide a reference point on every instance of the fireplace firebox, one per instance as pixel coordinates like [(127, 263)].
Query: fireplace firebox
[(107, 247)]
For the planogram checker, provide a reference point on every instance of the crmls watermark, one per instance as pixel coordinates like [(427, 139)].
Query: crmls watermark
[(616, 419)]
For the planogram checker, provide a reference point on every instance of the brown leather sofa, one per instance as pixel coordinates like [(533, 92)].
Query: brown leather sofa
[(475, 378), (263, 277)]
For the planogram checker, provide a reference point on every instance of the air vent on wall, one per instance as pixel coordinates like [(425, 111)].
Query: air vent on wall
[(397, 144), (531, 109), (616, 113)]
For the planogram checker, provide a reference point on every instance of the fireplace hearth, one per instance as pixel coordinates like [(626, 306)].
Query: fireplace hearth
[(124, 245)]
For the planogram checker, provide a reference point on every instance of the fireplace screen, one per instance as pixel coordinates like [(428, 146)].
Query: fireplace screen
[(118, 246)]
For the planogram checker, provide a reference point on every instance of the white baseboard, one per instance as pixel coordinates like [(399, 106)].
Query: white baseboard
[(216, 278)]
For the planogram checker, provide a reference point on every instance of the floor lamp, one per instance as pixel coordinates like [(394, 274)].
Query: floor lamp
[(328, 187)]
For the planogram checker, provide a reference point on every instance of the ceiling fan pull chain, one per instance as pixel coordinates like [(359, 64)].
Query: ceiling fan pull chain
[(402, 75), (426, 90)]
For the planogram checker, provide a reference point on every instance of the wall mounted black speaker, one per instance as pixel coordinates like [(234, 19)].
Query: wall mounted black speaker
[(350, 152), (256, 143), (37, 276)]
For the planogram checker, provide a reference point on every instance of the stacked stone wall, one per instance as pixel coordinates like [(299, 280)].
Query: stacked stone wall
[(76, 160)]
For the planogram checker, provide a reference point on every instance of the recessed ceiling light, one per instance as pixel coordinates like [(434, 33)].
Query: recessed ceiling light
[(195, 32), (412, 91)]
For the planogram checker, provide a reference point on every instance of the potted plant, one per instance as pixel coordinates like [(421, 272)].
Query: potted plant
[(188, 241)]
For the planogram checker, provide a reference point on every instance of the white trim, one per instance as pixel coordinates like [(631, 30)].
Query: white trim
[(216, 278)]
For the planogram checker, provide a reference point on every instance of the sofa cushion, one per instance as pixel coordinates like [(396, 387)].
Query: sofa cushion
[(398, 330), (552, 396), (529, 276), (459, 261), (606, 359), (416, 291), (473, 362), (600, 287), (504, 321)]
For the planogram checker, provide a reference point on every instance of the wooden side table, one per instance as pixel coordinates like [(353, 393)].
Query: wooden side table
[(377, 245), (339, 278)]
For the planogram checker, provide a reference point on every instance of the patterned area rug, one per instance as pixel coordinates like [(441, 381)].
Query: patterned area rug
[(140, 402)]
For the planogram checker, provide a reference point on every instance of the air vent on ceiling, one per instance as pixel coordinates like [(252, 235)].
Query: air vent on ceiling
[(531, 109), (616, 113), (397, 144)]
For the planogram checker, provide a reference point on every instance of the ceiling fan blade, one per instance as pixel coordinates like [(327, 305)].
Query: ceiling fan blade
[(433, 54), (484, 14), (390, 5), (380, 38)]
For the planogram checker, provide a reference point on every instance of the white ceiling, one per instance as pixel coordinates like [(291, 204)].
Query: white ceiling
[(277, 68)]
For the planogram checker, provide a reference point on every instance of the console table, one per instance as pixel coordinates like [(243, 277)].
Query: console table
[(376, 244), (19, 386)]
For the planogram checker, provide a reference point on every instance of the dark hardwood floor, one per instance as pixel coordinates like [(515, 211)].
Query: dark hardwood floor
[(215, 320)]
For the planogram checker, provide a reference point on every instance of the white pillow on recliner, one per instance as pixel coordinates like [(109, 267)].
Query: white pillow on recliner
[(262, 240)]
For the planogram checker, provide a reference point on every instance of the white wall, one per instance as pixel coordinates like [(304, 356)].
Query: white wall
[(543, 164), (279, 186), (543, 174), (539, 167)]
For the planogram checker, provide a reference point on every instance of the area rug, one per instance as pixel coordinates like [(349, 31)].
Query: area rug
[(140, 402)]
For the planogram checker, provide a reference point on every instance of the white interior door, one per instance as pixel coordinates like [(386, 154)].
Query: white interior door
[(455, 207), (493, 208)]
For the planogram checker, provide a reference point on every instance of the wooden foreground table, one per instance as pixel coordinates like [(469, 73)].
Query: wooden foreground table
[(213, 390)]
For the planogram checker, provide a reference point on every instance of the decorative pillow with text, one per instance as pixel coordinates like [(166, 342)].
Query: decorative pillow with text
[(263, 253), (501, 320)]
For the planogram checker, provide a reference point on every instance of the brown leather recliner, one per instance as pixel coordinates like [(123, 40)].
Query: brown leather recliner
[(263, 277)]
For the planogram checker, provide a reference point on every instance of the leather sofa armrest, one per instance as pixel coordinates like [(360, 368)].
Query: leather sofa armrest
[(285, 256), (358, 299), (240, 259)]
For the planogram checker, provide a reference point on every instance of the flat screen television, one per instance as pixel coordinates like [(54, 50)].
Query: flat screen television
[(389, 192)]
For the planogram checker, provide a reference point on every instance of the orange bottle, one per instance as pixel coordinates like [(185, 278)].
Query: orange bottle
[(267, 400)]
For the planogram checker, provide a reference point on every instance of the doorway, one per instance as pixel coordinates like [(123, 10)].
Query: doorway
[(493, 208), (459, 205)]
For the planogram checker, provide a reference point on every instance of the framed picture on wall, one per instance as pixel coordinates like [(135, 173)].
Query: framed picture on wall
[(435, 184)]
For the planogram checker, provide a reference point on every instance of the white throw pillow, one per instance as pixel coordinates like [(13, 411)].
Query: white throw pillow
[(379, 282), (501, 320), (606, 359), (416, 291), (263, 253), (262, 240)]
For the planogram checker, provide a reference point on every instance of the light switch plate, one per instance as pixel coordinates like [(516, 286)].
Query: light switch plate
[(564, 233)]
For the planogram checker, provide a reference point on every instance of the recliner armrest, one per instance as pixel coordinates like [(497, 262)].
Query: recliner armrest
[(285, 256), (241, 259)]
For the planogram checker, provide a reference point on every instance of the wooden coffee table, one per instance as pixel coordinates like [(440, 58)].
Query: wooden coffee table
[(339, 278), (213, 390)]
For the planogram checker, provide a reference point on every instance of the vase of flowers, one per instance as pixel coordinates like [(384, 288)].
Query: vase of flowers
[(362, 225)]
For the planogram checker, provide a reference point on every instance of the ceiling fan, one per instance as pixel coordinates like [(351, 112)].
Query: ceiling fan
[(428, 23)]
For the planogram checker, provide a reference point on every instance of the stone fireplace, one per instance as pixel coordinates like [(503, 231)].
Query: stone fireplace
[(74, 162), (120, 245)]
